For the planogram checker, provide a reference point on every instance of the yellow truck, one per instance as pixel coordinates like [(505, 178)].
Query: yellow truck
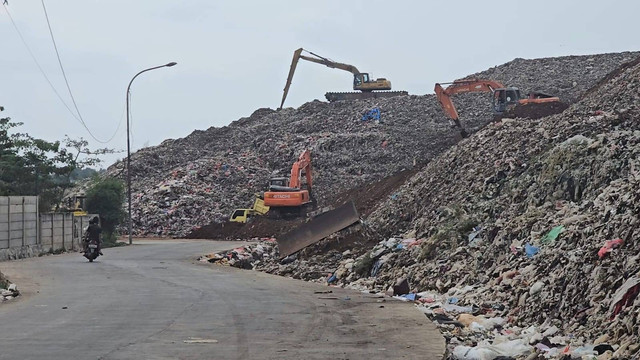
[(243, 215)]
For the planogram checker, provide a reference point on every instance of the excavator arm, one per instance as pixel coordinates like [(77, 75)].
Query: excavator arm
[(302, 165), (297, 55), (462, 86)]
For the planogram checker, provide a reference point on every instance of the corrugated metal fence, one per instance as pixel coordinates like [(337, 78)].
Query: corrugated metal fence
[(22, 225)]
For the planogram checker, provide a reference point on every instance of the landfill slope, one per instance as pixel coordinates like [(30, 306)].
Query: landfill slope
[(184, 184), (520, 241), (577, 172)]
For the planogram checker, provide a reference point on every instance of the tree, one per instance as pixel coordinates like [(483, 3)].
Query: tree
[(80, 158), (30, 166), (105, 197)]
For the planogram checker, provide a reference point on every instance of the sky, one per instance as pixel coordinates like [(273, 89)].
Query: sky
[(234, 56)]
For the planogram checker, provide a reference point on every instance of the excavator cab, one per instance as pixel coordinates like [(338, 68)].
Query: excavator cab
[(278, 182), (363, 82), (358, 79), (503, 98)]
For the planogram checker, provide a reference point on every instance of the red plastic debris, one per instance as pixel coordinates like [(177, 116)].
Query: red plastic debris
[(608, 246)]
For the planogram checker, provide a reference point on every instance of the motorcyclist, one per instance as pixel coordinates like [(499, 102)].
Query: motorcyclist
[(93, 233)]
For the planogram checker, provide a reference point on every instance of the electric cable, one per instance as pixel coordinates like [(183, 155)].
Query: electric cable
[(64, 75), (78, 117)]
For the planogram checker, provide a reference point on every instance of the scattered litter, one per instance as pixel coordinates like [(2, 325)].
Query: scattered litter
[(609, 245), (625, 295), (531, 250), (323, 292), (552, 235), (200, 341)]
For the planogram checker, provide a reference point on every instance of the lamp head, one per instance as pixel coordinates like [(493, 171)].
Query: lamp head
[(171, 64)]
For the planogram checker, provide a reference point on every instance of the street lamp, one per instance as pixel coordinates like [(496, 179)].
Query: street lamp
[(129, 146)]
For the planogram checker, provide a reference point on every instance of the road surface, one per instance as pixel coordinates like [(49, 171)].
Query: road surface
[(153, 300)]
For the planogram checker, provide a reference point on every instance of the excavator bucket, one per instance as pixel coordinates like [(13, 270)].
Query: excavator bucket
[(317, 229)]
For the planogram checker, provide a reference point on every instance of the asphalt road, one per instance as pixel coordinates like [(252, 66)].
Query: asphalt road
[(153, 300)]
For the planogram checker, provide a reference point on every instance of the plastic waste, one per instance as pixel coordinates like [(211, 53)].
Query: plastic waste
[(552, 235), (624, 296), (456, 308), (608, 246), (410, 297), (373, 114), (376, 267), (332, 278), (486, 351), (531, 250)]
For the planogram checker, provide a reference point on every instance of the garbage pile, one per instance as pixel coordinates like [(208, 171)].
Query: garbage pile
[(539, 217), (521, 241), (8, 290), (183, 184)]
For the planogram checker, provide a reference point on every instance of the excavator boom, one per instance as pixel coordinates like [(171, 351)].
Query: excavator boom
[(462, 86), (302, 165), (504, 98), (361, 82)]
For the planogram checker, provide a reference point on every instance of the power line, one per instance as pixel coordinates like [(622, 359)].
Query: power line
[(64, 75), (33, 57)]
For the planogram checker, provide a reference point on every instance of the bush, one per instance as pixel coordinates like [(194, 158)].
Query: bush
[(105, 197)]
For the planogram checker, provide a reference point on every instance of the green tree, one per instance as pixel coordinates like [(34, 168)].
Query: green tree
[(105, 197), (30, 166)]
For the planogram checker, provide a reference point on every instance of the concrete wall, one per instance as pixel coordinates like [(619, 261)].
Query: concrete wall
[(56, 231), (24, 232), (62, 231), (18, 221)]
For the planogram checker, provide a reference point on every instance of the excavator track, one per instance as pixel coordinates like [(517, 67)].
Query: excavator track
[(354, 95)]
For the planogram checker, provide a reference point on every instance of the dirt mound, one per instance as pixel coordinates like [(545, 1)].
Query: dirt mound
[(257, 227), (365, 197)]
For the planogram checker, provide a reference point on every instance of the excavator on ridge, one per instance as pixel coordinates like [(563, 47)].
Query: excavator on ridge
[(504, 98), (369, 87)]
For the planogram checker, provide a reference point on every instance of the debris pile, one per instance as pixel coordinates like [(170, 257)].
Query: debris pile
[(184, 184), (539, 217), (8, 290), (521, 241)]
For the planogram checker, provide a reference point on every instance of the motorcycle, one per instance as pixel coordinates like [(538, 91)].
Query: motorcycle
[(91, 250)]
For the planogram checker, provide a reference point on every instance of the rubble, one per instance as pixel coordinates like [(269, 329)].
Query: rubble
[(184, 184), (8, 290)]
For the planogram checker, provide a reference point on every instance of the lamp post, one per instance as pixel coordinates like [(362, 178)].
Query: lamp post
[(129, 146)]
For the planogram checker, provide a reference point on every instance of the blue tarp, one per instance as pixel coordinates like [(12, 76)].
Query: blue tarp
[(373, 114)]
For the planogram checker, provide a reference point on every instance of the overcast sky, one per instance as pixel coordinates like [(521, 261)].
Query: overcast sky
[(233, 56)]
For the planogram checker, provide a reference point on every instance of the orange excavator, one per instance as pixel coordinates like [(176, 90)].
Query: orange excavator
[(504, 98), (288, 194)]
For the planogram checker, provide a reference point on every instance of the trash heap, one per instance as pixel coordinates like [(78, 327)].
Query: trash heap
[(539, 217), (8, 290), (183, 184), (521, 241)]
